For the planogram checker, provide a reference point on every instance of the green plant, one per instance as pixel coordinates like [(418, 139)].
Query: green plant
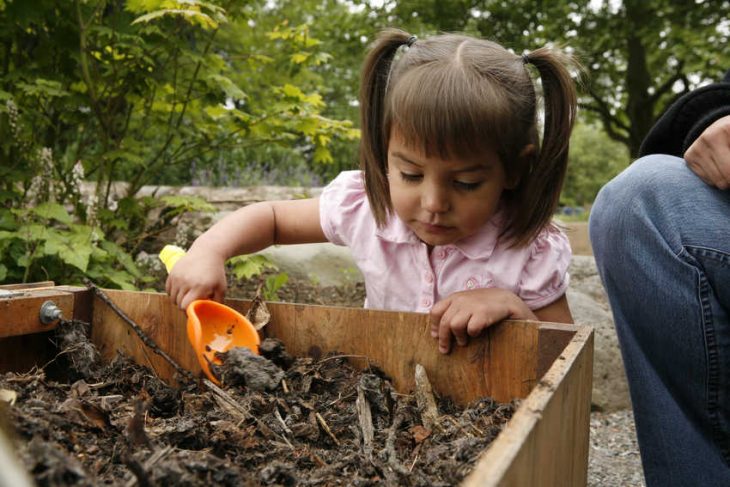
[(272, 284), (258, 265), (137, 91)]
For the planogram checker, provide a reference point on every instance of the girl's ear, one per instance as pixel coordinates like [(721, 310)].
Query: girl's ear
[(527, 153)]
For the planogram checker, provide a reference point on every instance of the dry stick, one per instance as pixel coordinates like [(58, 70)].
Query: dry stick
[(277, 414), (425, 399), (390, 443), (158, 455), (326, 428), (140, 333), (227, 402), (364, 415)]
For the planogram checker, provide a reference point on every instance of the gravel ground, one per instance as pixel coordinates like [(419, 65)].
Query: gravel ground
[(614, 454)]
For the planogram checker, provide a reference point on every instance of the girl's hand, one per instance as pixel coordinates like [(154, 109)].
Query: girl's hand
[(709, 155), (199, 274), (465, 314)]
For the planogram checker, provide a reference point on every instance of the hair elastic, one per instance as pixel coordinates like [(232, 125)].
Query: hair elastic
[(411, 40), (525, 58)]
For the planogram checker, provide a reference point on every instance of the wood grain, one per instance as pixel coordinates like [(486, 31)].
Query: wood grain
[(157, 316), (545, 443), (20, 312), (502, 363)]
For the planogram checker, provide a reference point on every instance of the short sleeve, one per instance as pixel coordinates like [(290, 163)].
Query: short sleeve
[(343, 208), (545, 276)]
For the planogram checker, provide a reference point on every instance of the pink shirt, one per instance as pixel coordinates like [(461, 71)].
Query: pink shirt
[(400, 274)]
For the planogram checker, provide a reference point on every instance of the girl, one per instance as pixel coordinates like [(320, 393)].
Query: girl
[(451, 210)]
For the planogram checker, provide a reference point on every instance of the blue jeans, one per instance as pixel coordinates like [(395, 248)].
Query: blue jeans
[(661, 239)]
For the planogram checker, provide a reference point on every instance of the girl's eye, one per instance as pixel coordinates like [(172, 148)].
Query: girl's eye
[(466, 186), (410, 178)]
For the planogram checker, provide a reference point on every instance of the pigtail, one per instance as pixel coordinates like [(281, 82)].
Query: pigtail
[(374, 140), (545, 179)]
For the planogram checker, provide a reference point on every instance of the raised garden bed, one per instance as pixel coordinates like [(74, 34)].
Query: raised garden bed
[(546, 366)]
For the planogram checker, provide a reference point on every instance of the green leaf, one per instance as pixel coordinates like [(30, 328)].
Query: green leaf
[(322, 155), (71, 250), (187, 203), (299, 57), (273, 284), (3, 272), (292, 91), (191, 16), (247, 266), (118, 255), (53, 211), (32, 232), (228, 86)]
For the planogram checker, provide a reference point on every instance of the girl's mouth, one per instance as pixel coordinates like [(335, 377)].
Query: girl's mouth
[(431, 228)]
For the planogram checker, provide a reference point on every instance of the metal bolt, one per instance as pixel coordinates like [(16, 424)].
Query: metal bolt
[(49, 313)]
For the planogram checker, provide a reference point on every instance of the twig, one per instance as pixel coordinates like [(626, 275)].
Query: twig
[(277, 415), (425, 399), (284, 387), (326, 428), (227, 402), (417, 452), (365, 417), (140, 333), (396, 465), (158, 455)]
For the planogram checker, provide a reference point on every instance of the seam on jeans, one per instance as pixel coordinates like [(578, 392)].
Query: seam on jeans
[(713, 368)]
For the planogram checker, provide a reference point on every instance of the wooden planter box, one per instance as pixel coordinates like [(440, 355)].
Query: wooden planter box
[(547, 365)]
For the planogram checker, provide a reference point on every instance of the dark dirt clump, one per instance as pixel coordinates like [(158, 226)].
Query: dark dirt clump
[(310, 422)]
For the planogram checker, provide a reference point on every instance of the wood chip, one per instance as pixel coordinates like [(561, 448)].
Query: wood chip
[(425, 399), (365, 418)]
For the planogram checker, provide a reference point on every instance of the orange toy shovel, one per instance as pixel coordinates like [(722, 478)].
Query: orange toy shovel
[(212, 326)]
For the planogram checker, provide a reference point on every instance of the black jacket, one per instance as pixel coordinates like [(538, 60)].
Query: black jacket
[(687, 118)]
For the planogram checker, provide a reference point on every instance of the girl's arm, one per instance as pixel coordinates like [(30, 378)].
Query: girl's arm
[(200, 274), (467, 313), (555, 312)]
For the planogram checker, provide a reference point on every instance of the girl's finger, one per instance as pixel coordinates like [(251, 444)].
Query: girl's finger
[(436, 314), (458, 328), (477, 324), (444, 338)]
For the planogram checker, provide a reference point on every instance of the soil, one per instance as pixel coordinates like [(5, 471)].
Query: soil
[(297, 290), (280, 421)]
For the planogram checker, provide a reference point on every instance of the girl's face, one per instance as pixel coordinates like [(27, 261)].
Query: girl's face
[(443, 201)]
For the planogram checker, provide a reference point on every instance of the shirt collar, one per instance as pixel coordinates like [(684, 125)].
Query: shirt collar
[(477, 246)]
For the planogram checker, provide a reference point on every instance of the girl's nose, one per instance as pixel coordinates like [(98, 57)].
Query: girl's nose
[(434, 199)]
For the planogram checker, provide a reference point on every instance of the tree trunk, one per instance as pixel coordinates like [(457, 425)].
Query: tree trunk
[(640, 105)]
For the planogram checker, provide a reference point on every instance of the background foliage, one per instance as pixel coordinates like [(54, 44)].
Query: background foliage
[(99, 98)]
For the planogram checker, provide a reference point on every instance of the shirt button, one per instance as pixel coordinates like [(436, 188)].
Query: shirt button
[(426, 303), (471, 283), (441, 253), (429, 278)]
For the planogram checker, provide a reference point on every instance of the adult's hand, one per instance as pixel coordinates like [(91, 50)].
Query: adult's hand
[(709, 155)]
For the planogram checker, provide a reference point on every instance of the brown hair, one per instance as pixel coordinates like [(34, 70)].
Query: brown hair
[(456, 95)]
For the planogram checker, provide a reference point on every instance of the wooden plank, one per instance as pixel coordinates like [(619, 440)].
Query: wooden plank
[(552, 340), (157, 316), (546, 441), (502, 363), (20, 311), (82, 298), (27, 285)]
